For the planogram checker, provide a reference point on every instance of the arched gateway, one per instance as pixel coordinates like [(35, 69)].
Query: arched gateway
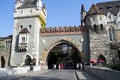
[(51, 41)]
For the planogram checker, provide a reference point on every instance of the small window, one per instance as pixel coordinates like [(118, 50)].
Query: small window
[(21, 11), (30, 26), (109, 7), (95, 28), (118, 6), (21, 26), (31, 10), (119, 15), (100, 8), (109, 16), (100, 18), (23, 39), (101, 27)]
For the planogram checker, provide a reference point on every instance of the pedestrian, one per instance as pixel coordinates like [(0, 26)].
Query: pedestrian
[(81, 66), (54, 66), (59, 67), (77, 66)]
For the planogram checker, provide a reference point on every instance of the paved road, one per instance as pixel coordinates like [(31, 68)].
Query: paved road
[(49, 75)]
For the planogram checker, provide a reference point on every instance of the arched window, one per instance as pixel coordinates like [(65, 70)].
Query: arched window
[(110, 34), (113, 32), (95, 28), (28, 60), (101, 27), (21, 26)]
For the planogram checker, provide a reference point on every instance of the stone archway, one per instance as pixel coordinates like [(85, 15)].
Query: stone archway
[(45, 53), (101, 59), (2, 62), (28, 60)]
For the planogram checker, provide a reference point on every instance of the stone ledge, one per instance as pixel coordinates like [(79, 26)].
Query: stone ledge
[(79, 75)]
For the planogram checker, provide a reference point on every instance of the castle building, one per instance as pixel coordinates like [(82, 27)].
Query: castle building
[(96, 39), (103, 22)]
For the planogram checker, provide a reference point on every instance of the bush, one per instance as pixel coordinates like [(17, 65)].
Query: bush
[(113, 66)]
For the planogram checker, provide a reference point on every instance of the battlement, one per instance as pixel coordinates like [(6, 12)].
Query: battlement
[(63, 30)]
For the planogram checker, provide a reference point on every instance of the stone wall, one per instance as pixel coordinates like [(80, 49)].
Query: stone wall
[(103, 73)]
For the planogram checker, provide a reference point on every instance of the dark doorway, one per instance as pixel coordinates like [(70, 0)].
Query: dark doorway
[(101, 59), (119, 54), (28, 60), (2, 62), (64, 53)]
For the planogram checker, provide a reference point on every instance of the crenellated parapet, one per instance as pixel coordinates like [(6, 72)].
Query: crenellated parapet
[(63, 30)]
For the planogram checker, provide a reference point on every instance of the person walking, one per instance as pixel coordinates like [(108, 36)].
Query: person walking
[(54, 66)]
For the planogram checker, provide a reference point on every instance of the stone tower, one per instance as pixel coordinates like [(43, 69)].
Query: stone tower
[(29, 17), (95, 22), (102, 21)]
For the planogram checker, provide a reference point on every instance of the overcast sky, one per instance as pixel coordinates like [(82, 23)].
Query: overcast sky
[(59, 13)]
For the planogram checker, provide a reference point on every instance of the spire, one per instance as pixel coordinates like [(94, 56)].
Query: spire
[(82, 8), (44, 6)]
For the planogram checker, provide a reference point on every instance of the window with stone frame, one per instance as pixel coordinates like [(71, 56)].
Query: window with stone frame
[(96, 28), (113, 32), (101, 27), (110, 34), (23, 39)]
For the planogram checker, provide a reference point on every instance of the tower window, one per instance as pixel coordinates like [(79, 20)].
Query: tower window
[(109, 7), (21, 26), (95, 28), (110, 34), (100, 8), (30, 26), (101, 27), (23, 39), (21, 11), (100, 18), (31, 10), (118, 6), (109, 16)]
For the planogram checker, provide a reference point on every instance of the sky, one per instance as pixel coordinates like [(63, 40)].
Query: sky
[(59, 13)]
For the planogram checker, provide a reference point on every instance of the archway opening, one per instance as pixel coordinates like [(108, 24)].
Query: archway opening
[(28, 60), (64, 53), (2, 62), (101, 59)]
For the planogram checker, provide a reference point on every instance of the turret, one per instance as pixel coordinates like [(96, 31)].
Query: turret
[(39, 4), (45, 10), (18, 3), (83, 14)]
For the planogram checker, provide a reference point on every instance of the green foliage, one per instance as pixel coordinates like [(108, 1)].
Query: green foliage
[(113, 66)]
